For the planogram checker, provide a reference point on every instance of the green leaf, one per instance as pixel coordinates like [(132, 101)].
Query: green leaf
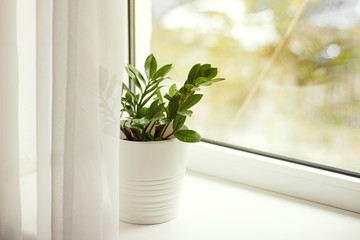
[(133, 77), (151, 109), (201, 80), (186, 113), (208, 83), (141, 122), (146, 137), (129, 110), (210, 72), (191, 87), (157, 116), (128, 99), (167, 96), (141, 112), (173, 106), (186, 135), (162, 71), (158, 94), (137, 73), (183, 90), (158, 109), (190, 101), (178, 122), (172, 90), (147, 99), (155, 111), (152, 89), (129, 72), (128, 90), (202, 69), (164, 121), (136, 127), (150, 66), (192, 73), (157, 81)]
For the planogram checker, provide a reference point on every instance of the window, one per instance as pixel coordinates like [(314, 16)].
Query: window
[(292, 70), (292, 90)]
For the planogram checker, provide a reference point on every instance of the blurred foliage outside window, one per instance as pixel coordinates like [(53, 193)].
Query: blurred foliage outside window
[(292, 70)]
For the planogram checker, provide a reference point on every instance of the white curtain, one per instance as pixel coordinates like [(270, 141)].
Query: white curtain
[(60, 82), (10, 212)]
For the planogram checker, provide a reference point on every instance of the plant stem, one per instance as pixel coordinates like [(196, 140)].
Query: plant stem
[(164, 129), (169, 135), (143, 95), (153, 125), (144, 131)]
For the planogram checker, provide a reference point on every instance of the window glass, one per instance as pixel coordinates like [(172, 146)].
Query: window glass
[(292, 72)]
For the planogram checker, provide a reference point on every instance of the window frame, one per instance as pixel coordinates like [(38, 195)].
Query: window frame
[(305, 180)]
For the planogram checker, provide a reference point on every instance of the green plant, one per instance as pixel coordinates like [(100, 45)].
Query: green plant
[(149, 115)]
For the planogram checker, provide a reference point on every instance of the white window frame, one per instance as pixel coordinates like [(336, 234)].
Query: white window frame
[(293, 179)]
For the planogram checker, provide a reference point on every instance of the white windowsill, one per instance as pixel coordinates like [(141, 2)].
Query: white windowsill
[(292, 179), (214, 209)]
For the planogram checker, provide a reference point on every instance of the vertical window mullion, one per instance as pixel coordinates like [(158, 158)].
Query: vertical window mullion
[(131, 39)]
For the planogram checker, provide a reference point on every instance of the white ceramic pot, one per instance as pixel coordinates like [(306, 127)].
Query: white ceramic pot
[(151, 176)]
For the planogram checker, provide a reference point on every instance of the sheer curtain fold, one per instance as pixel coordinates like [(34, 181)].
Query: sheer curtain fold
[(10, 208), (80, 51), (43, 116), (85, 201), (82, 189)]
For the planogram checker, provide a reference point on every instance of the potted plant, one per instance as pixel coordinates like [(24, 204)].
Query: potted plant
[(153, 132)]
